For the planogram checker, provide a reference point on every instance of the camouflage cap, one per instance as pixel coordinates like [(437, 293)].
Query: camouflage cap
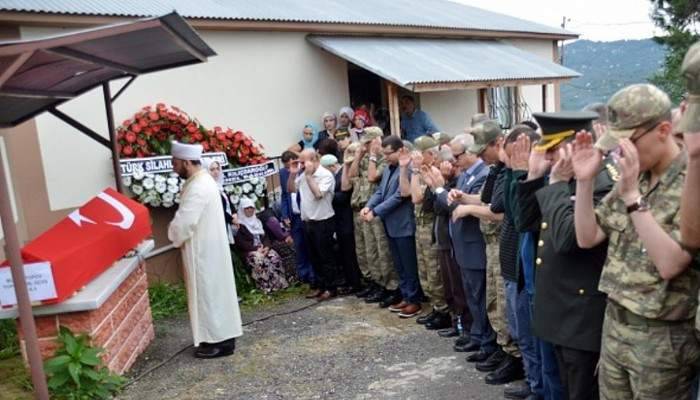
[(484, 133), (477, 119), (349, 155), (371, 133), (442, 137), (630, 108), (690, 70), (426, 142)]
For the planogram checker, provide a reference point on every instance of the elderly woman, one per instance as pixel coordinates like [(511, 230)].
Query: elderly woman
[(265, 264), (345, 117), (309, 139), (330, 126)]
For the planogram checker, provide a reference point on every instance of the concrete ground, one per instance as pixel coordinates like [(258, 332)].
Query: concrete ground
[(341, 349)]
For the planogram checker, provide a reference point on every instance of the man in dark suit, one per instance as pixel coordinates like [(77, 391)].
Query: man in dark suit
[(396, 212), (469, 246), (566, 279)]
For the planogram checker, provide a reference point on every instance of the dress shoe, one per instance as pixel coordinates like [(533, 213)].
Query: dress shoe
[(511, 369), (441, 321), (213, 351), (410, 311), (397, 307), (424, 319), (314, 294), (394, 297), (327, 295), (492, 363), (449, 332), (375, 296), (365, 292), (463, 340), (521, 390), (479, 356), (467, 348)]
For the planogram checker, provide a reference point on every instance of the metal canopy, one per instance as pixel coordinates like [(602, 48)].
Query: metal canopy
[(422, 64), (38, 75)]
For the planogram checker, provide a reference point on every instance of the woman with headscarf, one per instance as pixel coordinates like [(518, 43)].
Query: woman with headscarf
[(345, 116), (265, 264), (330, 126), (216, 172), (360, 121), (309, 139)]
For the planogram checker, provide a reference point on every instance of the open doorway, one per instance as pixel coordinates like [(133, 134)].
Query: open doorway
[(368, 90)]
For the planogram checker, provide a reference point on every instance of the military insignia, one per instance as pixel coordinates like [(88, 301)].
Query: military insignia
[(613, 172)]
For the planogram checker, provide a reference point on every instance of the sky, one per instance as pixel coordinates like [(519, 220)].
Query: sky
[(601, 20)]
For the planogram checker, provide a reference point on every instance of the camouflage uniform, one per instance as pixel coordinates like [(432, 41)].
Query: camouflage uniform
[(427, 254), (648, 346), (372, 250)]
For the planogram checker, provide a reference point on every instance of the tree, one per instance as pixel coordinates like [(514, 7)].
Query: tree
[(678, 19)]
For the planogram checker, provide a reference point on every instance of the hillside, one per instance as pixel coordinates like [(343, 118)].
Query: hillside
[(606, 67)]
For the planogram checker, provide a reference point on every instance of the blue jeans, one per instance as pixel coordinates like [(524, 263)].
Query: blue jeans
[(305, 271), (518, 315), (551, 381), (403, 251)]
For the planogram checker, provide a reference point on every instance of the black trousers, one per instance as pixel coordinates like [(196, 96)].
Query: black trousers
[(347, 259), (319, 239), (577, 371)]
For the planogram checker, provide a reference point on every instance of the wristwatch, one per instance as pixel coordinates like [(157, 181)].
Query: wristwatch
[(639, 205)]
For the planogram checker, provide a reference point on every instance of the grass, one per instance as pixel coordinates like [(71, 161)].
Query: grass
[(167, 300), (9, 344), (15, 383)]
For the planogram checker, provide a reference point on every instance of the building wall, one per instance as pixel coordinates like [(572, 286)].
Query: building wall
[(265, 84), (451, 110), (533, 93)]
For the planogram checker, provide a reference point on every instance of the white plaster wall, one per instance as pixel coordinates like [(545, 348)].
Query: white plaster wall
[(265, 84), (8, 177), (533, 93), (451, 110)]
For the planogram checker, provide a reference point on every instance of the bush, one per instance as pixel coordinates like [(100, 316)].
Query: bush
[(167, 300), (9, 343), (76, 371)]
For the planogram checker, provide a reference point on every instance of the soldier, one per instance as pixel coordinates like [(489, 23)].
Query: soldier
[(373, 255), (566, 279), (649, 348), (423, 159), (507, 360)]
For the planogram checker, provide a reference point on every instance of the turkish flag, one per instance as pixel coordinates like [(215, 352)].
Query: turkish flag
[(88, 241)]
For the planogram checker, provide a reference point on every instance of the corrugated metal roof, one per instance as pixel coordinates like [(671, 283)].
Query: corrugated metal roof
[(418, 13), (413, 61)]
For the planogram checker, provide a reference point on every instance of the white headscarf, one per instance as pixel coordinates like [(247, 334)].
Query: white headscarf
[(253, 223), (347, 111), (206, 163)]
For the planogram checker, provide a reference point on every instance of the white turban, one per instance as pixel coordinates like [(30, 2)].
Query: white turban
[(182, 151), (347, 111)]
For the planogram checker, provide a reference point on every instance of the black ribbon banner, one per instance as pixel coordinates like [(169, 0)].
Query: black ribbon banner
[(161, 164), (244, 174)]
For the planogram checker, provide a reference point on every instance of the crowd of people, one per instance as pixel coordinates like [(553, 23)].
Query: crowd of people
[(561, 253)]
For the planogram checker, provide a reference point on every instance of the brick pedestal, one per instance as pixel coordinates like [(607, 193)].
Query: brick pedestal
[(123, 325)]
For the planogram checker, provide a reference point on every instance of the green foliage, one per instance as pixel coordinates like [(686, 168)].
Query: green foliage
[(75, 372), (678, 19), (167, 300), (9, 344), (244, 282)]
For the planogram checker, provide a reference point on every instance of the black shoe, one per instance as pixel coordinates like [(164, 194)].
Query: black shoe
[(214, 351), (441, 321), (467, 348), (449, 332), (426, 318), (391, 298), (376, 296), (365, 292), (511, 369), (479, 356), (517, 392), (463, 340), (493, 362)]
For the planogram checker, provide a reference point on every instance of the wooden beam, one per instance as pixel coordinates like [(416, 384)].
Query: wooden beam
[(544, 98), (16, 64), (41, 19), (481, 106), (392, 92), (436, 87)]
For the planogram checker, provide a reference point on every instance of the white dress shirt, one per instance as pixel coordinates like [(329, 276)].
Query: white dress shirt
[(313, 209)]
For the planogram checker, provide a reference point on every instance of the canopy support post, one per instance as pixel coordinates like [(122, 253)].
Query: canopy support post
[(112, 136), (392, 94)]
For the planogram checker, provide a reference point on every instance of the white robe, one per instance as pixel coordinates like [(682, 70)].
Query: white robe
[(199, 231)]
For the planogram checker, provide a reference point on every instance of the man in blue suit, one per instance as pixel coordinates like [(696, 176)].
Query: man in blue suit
[(396, 212), (289, 208), (469, 246)]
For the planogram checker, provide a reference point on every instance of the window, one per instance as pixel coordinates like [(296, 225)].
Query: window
[(507, 105)]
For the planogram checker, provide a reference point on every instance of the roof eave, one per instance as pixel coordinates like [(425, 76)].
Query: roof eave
[(53, 19)]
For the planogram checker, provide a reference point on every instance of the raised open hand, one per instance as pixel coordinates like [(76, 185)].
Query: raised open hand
[(563, 170), (521, 153), (628, 164), (404, 158), (537, 164), (585, 158), (417, 159)]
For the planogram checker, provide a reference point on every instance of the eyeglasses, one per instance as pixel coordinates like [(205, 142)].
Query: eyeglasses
[(636, 139), (456, 156)]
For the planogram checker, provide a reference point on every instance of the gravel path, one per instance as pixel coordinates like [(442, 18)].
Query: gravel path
[(342, 349)]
